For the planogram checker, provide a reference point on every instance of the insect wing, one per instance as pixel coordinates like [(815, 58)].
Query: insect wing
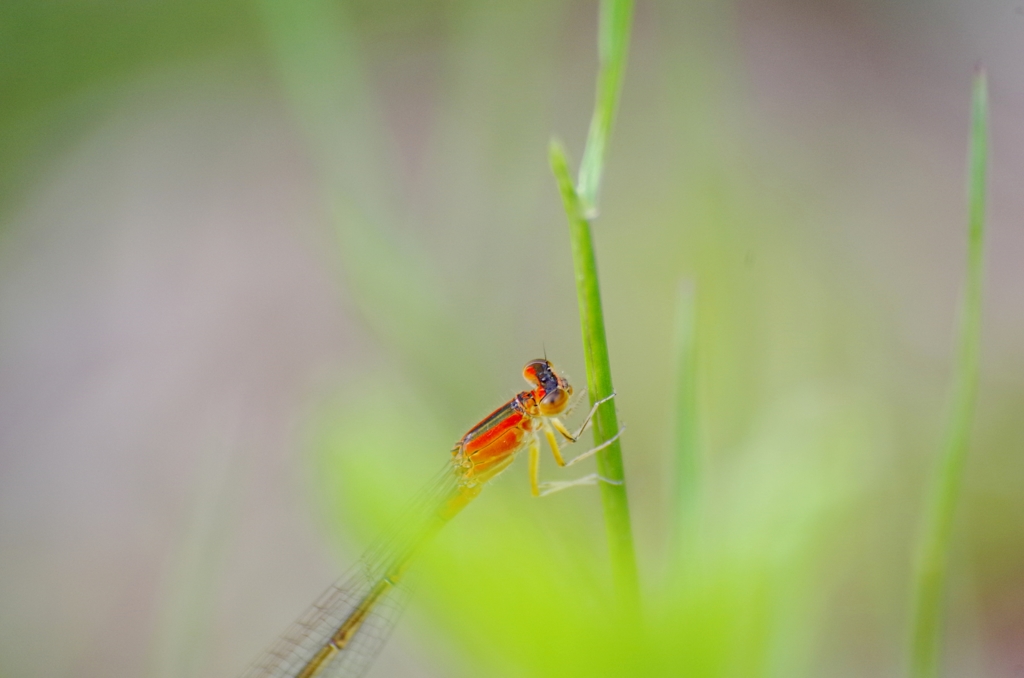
[(313, 630)]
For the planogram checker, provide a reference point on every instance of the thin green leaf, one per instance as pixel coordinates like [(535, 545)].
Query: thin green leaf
[(687, 454), (613, 45), (932, 565)]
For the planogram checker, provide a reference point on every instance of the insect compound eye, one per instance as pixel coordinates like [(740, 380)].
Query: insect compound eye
[(535, 371), (553, 401)]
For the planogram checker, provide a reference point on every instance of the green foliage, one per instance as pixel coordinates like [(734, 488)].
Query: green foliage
[(62, 66), (774, 543), (931, 578)]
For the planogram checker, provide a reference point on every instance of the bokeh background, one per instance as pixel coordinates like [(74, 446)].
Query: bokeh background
[(262, 263)]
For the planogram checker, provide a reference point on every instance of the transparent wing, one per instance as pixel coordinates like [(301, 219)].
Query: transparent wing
[(314, 629)]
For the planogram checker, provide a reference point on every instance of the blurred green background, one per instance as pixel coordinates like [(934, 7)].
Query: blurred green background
[(261, 264)]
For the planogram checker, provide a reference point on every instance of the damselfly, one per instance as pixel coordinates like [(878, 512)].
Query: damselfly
[(342, 632)]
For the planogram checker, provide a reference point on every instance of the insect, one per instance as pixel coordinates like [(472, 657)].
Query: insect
[(341, 633)]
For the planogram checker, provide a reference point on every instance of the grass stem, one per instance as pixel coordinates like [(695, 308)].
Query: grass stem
[(580, 207), (933, 558)]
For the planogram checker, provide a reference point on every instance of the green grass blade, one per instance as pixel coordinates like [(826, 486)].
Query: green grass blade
[(599, 384), (613, 44), (580, 206), (687, 452), (931, 570)]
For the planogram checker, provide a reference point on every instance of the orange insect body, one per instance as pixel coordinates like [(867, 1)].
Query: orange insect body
[(490, 446)]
